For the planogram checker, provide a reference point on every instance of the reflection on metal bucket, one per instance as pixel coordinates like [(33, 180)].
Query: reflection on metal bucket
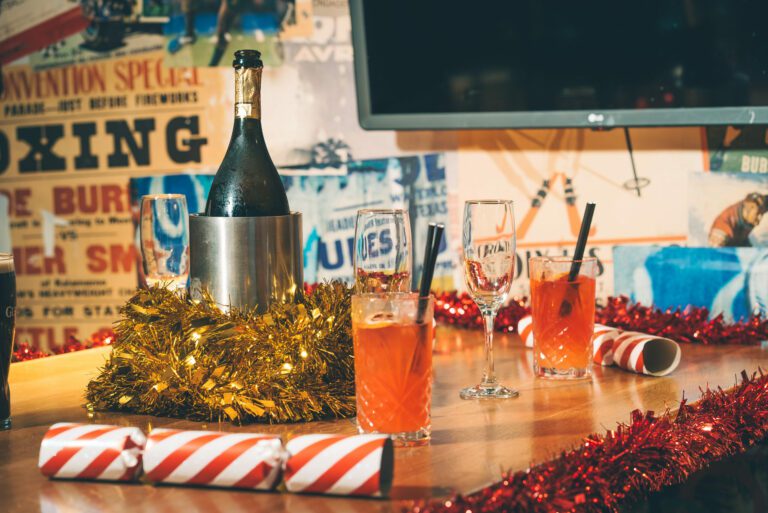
[(246, 262)]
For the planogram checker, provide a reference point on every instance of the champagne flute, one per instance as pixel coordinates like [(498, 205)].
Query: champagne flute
[(382, 257), (164, 234), (489, 263)]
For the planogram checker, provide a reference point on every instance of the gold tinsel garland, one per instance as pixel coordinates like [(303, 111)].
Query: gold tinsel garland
[(181, 358)]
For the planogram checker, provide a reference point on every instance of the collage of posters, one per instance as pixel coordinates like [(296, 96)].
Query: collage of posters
[(117, 92), (724, 264), (329, 205), (552, 174), (144, 91)]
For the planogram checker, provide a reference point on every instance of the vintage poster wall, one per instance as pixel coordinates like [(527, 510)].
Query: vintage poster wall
[(552, 174), (329, 204), (75, 127), (309, 99), (69, 139)]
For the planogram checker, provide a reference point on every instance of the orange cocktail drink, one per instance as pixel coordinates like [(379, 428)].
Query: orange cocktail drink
[(393, 365), (563, 311)]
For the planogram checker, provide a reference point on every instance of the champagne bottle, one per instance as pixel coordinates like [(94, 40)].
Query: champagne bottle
[(247, 183)]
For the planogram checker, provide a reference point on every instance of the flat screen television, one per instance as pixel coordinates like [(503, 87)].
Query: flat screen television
[(449, 64)]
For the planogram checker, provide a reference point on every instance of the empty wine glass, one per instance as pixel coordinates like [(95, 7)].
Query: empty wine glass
[(164, 235), (489, 263), (382, 261)]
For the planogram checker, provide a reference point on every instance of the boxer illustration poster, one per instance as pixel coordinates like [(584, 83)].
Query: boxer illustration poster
[(727, 210)]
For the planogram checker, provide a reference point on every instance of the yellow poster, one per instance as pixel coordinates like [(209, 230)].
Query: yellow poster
[(70, 139)]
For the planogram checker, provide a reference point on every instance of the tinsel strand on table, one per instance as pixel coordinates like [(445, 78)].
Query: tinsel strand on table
[(461, 311), (25, 351), (177, 357), (690, 325), (628, 463)]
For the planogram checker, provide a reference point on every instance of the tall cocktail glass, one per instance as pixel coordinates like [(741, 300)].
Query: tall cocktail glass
[(382, 257), (393, 366)]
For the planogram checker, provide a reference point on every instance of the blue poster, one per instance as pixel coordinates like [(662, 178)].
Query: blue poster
[(194, 187), (329, 205), (731, 281), (329, 200)]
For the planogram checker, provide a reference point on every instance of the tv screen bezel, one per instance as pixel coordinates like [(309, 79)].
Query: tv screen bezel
[(600, 119)]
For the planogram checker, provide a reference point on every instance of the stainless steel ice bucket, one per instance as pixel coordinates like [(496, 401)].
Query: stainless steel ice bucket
[(246, 262)]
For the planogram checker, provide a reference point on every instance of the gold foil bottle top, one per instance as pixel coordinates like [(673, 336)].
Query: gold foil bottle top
[(248, 92)]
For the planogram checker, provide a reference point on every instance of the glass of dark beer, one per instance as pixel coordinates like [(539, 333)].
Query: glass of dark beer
[(7, 325)]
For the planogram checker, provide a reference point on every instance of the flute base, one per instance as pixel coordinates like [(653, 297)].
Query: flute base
[(488, 391)]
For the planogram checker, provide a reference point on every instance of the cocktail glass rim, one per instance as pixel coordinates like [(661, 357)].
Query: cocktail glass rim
[(382, 211), (560, 259), (163, 196), (488, 202), (391, 295)]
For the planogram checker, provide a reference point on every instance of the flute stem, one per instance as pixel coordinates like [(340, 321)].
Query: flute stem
[(489, 376)]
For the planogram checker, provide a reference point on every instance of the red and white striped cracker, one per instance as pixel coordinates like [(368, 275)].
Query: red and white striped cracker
[(91, 451), (340, 465), (646, 354), (213, 458), (525, 330), (602, 344)]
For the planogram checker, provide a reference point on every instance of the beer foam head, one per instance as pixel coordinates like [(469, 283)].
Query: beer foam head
[(6, 263)]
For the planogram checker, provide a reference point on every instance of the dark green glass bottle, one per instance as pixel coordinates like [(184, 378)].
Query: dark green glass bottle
[(247, 183)]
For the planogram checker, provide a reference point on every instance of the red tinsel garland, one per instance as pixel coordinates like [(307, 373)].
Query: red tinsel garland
[(631, 461), (25, 352), (690, 325), (460, 310)]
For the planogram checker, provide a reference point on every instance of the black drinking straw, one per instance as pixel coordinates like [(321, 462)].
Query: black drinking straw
[(427, 252), (432, 247), (578, 255)]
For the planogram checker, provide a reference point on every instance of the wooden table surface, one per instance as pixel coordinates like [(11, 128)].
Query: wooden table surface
[(472, 442)]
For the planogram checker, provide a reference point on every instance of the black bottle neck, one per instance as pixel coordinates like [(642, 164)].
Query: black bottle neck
[(248, 128)]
